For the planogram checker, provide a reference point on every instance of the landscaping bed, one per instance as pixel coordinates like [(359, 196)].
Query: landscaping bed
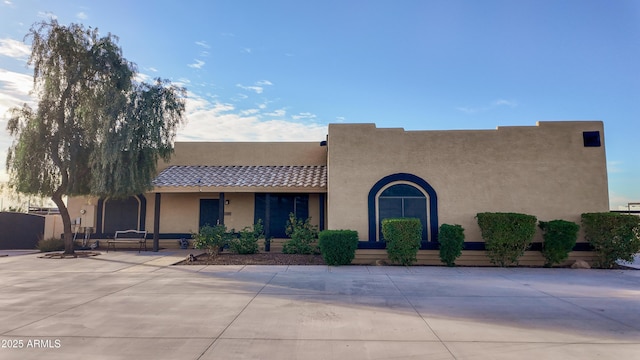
[(256, 259)]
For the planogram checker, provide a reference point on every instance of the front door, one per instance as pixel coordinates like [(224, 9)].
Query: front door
[(209, 212)]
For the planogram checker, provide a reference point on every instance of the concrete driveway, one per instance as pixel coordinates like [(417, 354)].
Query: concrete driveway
[(125, 305)]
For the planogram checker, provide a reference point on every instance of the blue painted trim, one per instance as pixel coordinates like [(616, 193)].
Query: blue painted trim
[(321, 201), (433, 204), (99, 215), (143, 211)]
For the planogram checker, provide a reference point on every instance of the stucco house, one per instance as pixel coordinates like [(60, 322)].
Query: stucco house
[(362, 174)]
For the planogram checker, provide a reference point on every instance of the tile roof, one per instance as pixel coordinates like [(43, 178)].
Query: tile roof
[(309, 176)]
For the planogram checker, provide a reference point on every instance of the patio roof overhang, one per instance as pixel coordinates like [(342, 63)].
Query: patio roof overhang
[(259, 178)]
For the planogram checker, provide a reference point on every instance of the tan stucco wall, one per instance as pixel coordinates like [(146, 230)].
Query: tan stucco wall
[(52, 226), (541, 170), (180, 213), (247, 153), (75, 204)]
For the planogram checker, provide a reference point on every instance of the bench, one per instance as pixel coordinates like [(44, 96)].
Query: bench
[(129, 237)]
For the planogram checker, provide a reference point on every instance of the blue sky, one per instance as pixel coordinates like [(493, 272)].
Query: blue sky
[(282, 70)]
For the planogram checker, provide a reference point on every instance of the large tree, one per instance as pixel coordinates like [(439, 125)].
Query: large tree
[(96, 129)]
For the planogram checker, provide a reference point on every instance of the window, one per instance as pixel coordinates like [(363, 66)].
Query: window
[(402, 194), (274, 210), (591, 138), (402, 200)]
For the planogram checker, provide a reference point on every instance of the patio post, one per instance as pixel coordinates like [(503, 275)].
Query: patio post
[(156, 224)]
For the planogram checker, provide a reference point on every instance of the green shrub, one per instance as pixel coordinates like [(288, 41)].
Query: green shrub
[(559, 239), (211, 238), (303, 237), (50, 244), (247, 240), (451, 239), (338, 247), (506, 235), (613, 236), (403, 236)]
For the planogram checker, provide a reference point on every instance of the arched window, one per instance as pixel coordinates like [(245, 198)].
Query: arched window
[(402, 200), (403, 195)]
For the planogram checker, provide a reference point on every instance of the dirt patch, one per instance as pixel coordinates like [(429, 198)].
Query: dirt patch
[(256, 259)]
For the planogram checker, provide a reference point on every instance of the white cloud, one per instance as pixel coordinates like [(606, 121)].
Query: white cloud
[(340, 119), (82, 16), (140, 77), (15, 83), (152, 69), (14, 91), (256, 89), (14, 49), (620, 201), (249, 112), (614, 166), (246, 50), (7, 2), (203, 44), (503, 102), (215, 121), (491, 106), (47, 15), (304, 116), (182, 81), (277, 113), (239, 97), (197, 65)]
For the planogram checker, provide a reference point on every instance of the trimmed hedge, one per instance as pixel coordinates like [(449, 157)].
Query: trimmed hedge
[(403, 236), (613, 236), (338, 247), (559, 239), (506, 235), (451, 239)]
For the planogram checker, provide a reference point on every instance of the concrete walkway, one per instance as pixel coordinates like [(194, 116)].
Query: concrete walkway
[(125, 305)]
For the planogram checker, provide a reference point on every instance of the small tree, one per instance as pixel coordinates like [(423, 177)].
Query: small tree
[(96, 130)]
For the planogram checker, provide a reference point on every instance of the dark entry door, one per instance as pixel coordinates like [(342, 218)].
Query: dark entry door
[(209, 212)]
